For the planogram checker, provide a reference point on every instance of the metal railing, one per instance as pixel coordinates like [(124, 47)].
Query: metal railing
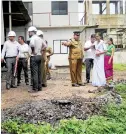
[(47, 19)]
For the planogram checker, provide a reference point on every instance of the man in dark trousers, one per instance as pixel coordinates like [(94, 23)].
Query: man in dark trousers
[(23, 60), (89, 56), (10, 51), (35, 59)]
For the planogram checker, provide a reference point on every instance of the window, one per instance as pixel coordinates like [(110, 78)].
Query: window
[(58, 48), (28, 6), (59, 7)]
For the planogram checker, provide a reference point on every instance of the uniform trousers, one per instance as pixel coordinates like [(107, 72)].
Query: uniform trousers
[(89, 65), (10, 63), (43, 69), (47, 67), (35, 65), (22, 63), (76, 70)]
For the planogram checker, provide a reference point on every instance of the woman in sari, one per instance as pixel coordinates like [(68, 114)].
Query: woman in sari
[(98, 75), (109, 60)]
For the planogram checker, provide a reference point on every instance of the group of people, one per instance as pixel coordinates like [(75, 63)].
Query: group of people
[(98, 55), (16, 55)]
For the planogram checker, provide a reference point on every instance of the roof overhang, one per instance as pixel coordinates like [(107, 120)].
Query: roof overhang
[(19, 13)]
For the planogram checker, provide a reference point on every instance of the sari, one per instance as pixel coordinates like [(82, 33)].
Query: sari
[(98, 74), (108, 67)]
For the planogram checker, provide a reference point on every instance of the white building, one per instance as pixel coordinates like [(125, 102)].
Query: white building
[(58, 20)]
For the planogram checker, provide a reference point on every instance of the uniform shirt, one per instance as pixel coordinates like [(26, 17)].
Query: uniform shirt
[(23, 50), (90, 53), (37, 43), (10, 48), (75, 49)]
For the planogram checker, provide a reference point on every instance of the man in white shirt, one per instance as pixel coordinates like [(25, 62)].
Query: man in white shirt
[(35, 59), (43, 68), (10, 52), (23, 60), (89, 56)]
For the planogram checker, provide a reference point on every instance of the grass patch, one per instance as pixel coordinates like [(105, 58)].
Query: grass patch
[(111, 121), (120, 67)]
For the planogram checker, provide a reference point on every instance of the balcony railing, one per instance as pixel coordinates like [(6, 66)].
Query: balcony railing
[(46, 19), (105, 19)]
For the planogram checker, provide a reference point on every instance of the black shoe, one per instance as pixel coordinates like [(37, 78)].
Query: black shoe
[(27, 83), (32, 91), (8, 86), (75, 85), (81, 84), (44, 85), (88, 81), (40, 89), (31, 84), (18, 84), (13, 86)]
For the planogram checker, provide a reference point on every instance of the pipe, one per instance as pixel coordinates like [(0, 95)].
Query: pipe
[(10, 17)]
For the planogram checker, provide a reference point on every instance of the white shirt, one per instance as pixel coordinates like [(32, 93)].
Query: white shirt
[(90, 53), (37, 43), (11, 49), (24, 50)]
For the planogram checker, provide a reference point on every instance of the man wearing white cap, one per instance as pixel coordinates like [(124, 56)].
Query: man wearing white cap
[(43, 69), (35, 59), (10, 52)]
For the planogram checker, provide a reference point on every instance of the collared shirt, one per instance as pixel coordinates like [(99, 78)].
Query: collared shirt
[(90, 53), (11, 49), (24, 50), (37, 43)]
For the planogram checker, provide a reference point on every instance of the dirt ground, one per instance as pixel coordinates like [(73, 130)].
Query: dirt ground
[(58, 87)]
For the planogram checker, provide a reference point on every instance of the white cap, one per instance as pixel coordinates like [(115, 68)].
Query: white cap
[(32, 28), (11, 33), (39, 32)]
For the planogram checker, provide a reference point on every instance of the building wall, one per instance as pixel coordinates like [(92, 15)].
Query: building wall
[(46, 19), (51, 34), (58, 34)]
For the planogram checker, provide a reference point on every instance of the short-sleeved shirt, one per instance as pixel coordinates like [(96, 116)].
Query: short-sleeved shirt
[(37, 43), (90, 53), (24, 50), (109, 49)]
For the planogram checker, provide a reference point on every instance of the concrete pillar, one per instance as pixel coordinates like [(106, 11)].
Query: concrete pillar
[(87, 10), (100, 7), (121, 6), (90, 7), (125, 6), (10, 17), (107, 6), (116, 8), (2, 25)]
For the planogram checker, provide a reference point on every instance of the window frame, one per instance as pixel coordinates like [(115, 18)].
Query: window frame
[(60, 46), (59, 4)]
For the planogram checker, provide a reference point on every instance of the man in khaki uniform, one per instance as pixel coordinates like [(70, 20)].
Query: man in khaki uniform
[(48, 54), (75, 59)]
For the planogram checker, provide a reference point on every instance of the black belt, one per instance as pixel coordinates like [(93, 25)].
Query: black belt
[(11, 57), (22, 58)]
